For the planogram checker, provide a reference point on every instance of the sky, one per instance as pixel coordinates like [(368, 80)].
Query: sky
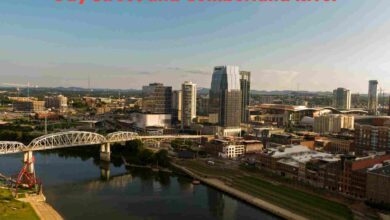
[(286, 46)]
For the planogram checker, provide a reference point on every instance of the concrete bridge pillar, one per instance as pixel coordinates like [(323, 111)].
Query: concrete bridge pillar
[(29, 160), (105, 152), (104, 170)]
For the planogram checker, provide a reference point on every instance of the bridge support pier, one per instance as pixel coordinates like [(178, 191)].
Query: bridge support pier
[(105, 152), (104, 170), (29, 161)]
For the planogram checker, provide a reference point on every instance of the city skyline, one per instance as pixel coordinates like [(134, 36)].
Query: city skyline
[(195, 109), (123, 46)]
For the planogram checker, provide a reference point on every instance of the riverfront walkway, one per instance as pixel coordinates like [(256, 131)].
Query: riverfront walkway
[(278, 211), (43, 210)]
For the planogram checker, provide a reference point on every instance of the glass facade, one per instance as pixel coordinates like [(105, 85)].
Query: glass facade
[(225, 96), (245, 82), (157, 98), (342, 99), (373, 97)]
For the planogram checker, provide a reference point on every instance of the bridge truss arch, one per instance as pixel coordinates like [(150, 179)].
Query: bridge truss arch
[(66, 139), (122, 136), (9, 147)]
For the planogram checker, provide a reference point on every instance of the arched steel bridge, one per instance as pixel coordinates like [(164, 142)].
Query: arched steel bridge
[(81, 138)]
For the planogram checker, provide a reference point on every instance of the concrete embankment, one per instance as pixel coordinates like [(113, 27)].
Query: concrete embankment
[(284, 213), (43, 209)]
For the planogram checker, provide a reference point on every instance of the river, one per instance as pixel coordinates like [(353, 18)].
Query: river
[(78, 189)]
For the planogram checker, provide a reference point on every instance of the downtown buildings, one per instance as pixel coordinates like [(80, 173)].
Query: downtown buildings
[(156, 112), (59, 102), (342, 99), (245, 85), (373, 97), (372, 134), (176, 106), (27, 104), (157, 98), (333, 123), (188, 102), (225, 97), (369, 138)]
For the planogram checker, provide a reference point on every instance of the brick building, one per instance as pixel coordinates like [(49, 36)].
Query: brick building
[(353, 179), (376, 180), (339, 146), (29, 106), (372, 138)]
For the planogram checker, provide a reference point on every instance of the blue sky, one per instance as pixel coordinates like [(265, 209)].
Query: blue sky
[(318, 46)]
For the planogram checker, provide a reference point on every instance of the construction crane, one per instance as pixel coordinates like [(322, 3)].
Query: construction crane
[(18, 86)]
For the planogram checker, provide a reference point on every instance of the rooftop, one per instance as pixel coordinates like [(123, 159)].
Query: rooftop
[(286, 151), (385, 170), (303, 158), (296, 108)]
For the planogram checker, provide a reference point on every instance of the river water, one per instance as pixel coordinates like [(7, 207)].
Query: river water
[(78, 187)]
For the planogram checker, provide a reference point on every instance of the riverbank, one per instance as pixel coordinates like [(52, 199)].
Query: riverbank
[(41, 208), (243, 196), (10, 208), (269, 195)]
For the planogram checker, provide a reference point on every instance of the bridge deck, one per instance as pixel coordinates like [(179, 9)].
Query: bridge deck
[(82, 138)]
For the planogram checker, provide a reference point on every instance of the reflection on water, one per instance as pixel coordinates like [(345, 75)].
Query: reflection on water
[(80, 187)]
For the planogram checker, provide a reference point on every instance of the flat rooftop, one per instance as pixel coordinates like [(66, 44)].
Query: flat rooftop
[(385, 170), (286, 151)]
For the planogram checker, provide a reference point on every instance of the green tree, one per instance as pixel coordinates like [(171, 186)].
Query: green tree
[(134, 146), (145, 156), (162, 158), (178, 144)]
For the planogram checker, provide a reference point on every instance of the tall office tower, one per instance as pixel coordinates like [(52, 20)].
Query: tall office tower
[(202, 105), (373, 97), (176, 106), (157, 98), (188, 103), (245, 86), (388, 110), (225, 97), (355, 100), (342, 98)]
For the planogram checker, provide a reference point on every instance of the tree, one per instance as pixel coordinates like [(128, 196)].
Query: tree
[(181, 143), (162, 158), (145, 156), (134, 146)]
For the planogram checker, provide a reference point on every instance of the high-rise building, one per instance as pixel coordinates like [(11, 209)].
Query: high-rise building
[(157, 98), (388, 110), (342, 98), (245, 84), (188, 103), (225, 96), (355, 100), (371, 138), (176, 106), (59, 102), (202, 105), (373, 97), (328, 124)]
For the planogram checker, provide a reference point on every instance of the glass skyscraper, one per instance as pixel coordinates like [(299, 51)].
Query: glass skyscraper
[(373, 97), (245, 84), (342, 99), (225, 96)]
